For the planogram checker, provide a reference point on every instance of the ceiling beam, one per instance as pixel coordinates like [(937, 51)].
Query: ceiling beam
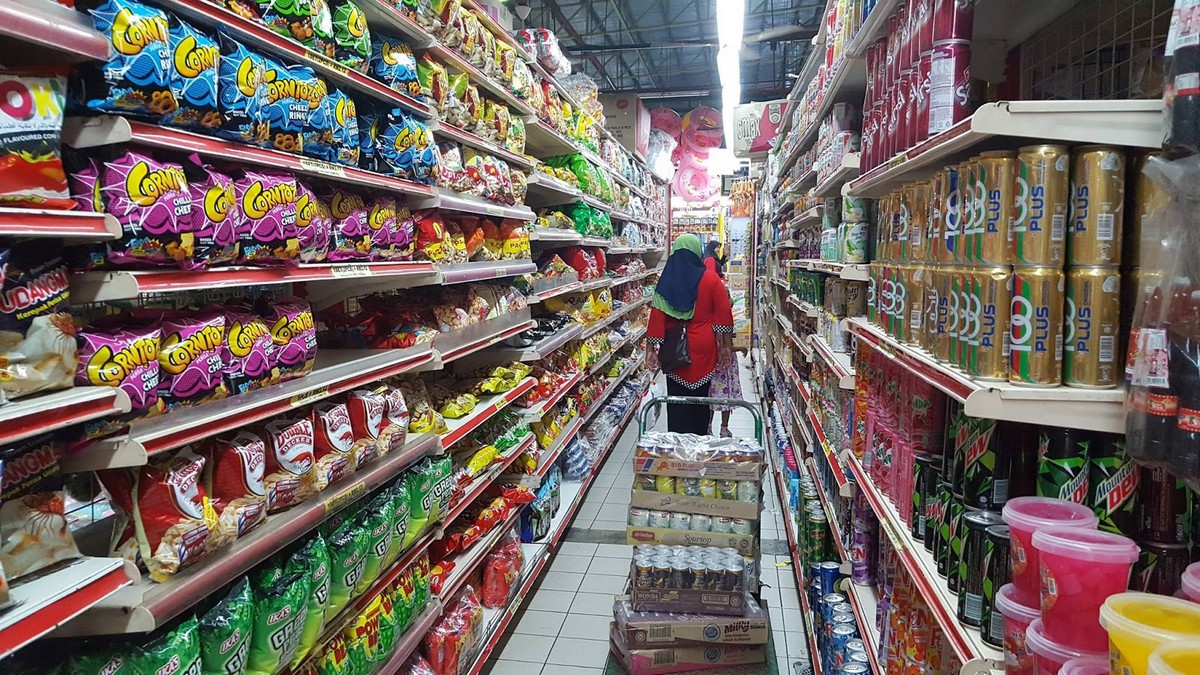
[(552, 5)]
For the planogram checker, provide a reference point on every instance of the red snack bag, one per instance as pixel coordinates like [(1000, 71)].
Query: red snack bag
[(395, 418), (499, 574), (233, 478), (32, 122), (366, 410), (288, 477), (333, 440)]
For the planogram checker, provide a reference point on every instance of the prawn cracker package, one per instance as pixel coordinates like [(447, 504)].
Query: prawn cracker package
[(33, 524), (168, 513), (378, 519), (225, 631), (125, 358), (281, 599), (233, 479), (333, 441), (30, 134), (344, 148), (268, 232), (318, 596), (37, 343), (348, 555), (393, 63), (294, 335), (242, 93), (288, 477), (253, 356), (216, 216), (136, 79), (174, 652), (193, 78), (192, 357), (351, 237), (153, 204), (314, 223)]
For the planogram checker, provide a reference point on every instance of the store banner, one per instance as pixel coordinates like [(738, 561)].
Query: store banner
[(755, 126)]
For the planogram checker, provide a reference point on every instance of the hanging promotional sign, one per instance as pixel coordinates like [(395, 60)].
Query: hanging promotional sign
[(755, 126)]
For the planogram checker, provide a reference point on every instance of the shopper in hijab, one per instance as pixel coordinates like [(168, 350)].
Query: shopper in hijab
[(712, 251), (727, 380), (690, 303)]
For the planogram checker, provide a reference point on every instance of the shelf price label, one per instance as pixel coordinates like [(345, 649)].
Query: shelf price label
[(310, 396), (346, 497), (354, 270), (493, 210), (322, 168)]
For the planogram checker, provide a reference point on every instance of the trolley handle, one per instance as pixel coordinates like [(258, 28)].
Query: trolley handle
[(702, 400)]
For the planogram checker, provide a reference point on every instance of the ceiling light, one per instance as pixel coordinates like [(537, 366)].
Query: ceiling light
[(731, 19)]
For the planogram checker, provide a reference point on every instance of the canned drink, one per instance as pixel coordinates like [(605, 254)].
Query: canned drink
[(664, 484), (829, 573), (1040, 206), (956, 315), (1097, 206), (900, 301), (947, 316), (747, 491), (1063, 464), (855, 669), (714, 576), (643, 574), (733, 576), (697, 574), (854, 248), (680, 575), (872, 293), (854, 209), (1113, 485), (660, 573), (972, 566), (970, 177), (997, 171), (722, 524), (987, 447), (639, 517), (1036, 327), (1165, 507), (971, 322), (949, 85), (916, 282), (688, 487), (1093, 324), (701, 522), (951, 202), (923, 468), (1159, 568), (742, 526), (839, 636), (708, 488), (993, 289), (727, 489), (929, 302), (681, 521), (858, 657), (817, 532), (935, 247), (941, 544), (996, 573), (856, 298), (918, 221), (952, 20), (660, 519)]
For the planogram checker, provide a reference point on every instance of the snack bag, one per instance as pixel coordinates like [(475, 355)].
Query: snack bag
[(516, 241), (394, 432), (379, 520), (368, 139), (334, 658), (348, 552), (83, 181), (31, 150), (382, 223), (175, 652), (242, 93), (33, 524), (444, 484), (405, 148), (289, 94), (169, 515), (281, 596), (389, 627), (420, 480), (318, 596), (191, 359), (403, 597), (224, 632), (288, 476), (295, 336), (398, 493), (215, 214), (193, 78), (314, 225), (515, 141), (362, 638), (153, 203), (333, 440), (268, 232), (136, 78), (366, 410), (233, 479), (432, 241), (122, 358), (393, 63), (351, 227), (253, 358), (434, 82), (345, 148), (404, 235), (318, 128), (351, 36), (37, 343)]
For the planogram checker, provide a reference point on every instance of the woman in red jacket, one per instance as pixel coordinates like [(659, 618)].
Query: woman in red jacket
[(690, 294)]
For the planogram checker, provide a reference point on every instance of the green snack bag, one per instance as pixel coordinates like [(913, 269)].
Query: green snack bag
[(335, 658), (403, 597), (318, 596), (281, 599), (225, 631), (176, 652), (348, 559), (420, 584), (378, 519), (400, 521), (444, 482), (387, 627), (100, 661), (351, 36), (420, 485)]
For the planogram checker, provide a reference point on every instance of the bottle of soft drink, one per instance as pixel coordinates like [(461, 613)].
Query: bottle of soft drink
[(1181, 85), (1152, 404), (1185, 380)]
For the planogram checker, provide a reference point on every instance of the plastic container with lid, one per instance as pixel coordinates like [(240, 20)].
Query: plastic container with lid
[(1191, 582), (1017, 616), (1080, 568), (1138, 623), (1026, 515), (1086, 665), (1050, 655), (1176, 658)]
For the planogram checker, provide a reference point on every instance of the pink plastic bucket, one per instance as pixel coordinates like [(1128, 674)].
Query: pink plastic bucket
[(1026, 515), (1050, 655), (1018, 660), (1191, 582), (1080, 569)]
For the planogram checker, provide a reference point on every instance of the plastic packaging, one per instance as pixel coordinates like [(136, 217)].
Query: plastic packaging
[(1017, 617), (1049, 655), (1176, 658), (1191, 582), (1025, 515), (1138, 623)]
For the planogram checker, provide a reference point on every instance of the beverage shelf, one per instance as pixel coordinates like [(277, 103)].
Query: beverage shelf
[(807, 309), (832, 186), (865, 601), (847, 271), (966, 642), (812, 215), (838, 362), (834, 530), (872, 28), (845, 488), (847, 84), (1135, 123), (1097, 409), (26, 417), (72, 225)]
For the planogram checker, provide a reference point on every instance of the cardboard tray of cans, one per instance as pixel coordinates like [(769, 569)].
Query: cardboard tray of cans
[(707, 458), (664, 501), (684, 585), (661, 629), (724, 658), (681, 468), (744, 543)]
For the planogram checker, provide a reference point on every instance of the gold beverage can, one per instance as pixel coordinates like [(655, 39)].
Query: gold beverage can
[(993, 291), (973, 211), (935, 245), (941, 327), (966, 325), (1145, 198), (873, 292), (1092, 326), (883, 232), (1036, 327), (899, 304), (929, 308), (952, 217), (1097, 206), (1040, 206), (914, 297), (966, 211), (998, 169), (903, 225), (953, 314)]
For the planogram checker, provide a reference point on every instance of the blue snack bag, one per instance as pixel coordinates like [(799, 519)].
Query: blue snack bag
[(193, 78), (286, 105), (405, 147), (135, 80), (345, 148), (393, 63), (368, 139), (242, 93)]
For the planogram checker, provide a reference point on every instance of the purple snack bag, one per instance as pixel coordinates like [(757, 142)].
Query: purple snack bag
[(314, 223), (215, 214), (294, 334), (152, 202), (351, 236), (191, 360), (83, 182), (404, 235), (122, 357), (267, 233), (252, 352), (382, 221)]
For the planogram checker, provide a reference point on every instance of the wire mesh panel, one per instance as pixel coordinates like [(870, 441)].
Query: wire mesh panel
[(1100, 49)]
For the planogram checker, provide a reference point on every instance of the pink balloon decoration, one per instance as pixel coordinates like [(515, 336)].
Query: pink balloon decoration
[(694, 185), (666, 120)]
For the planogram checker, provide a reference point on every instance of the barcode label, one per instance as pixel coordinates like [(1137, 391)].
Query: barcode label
[(996, 625), (1104, 227), (1005, 347), (1058, 225), (915, 322), (1058, 347), (659, 634), (973, 607), (1000, 490), (921, 526), (664, 657), (1108, 345)]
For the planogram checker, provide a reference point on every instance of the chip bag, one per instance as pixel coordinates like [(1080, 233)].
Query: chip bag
[(379, 520), (348, 548), (401, 520), (268, 233), (225, 630), (136, 79), (334, 658), (351, 35), (31, 149), (314, 225), (288, 477), (193, 78), (281, 594), (351, 226), (152, 202), (333, 440), (346, 147), (393, 63), (215, 214), (174, 652), (33, 523), (318, 596), (242, 92), (233, 480)]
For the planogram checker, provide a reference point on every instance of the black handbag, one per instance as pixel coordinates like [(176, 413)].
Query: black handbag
[(673, 354)]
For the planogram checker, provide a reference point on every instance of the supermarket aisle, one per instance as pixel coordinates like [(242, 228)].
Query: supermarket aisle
[(563, 627)]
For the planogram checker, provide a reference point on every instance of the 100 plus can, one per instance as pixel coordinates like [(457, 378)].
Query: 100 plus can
[(997, 170), (1040, 214), (972, 565), (954, 322), (1113, 485), (993, 290), (1036, 327), (1093, 323), (1063, 456), (971, 180), (1097, 206), (996, 573), (946, 319)]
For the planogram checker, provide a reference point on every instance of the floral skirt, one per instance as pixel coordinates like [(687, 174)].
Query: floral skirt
[(726, 383)]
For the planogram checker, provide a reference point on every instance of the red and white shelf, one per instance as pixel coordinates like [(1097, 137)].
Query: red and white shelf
[(446, 131), (558, 237), (562, 289), (845, 488), (58, 33), (544, 348), (838, 362), (484, 411), (71, 225), (539, 409), (26, 417), (481, 483)]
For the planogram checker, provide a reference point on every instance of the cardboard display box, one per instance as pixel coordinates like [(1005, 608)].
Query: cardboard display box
[(661, 501), (744, 543), (748, 471), (641, 630), (688, 601), (664, 660), (628, 119)]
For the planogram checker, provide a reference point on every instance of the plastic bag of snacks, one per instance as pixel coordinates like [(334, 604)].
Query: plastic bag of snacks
[(268, 232), (31, 126), (173, 651), (113, 356), (288, 477), (393, 63), (281, 590), (378, 518), (192, 78), (152, 202), (233, 480), (224, 632), (242, 92), (37, 344), (351, 35), (318, 596), (294, 335), (253, 362), (215, 214), (135, 79), (333, 440), (348, 545), (33, 526), (314, 225), (346, 133)]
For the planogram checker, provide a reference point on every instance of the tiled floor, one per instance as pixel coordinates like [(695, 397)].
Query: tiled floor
[(563, 627)]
